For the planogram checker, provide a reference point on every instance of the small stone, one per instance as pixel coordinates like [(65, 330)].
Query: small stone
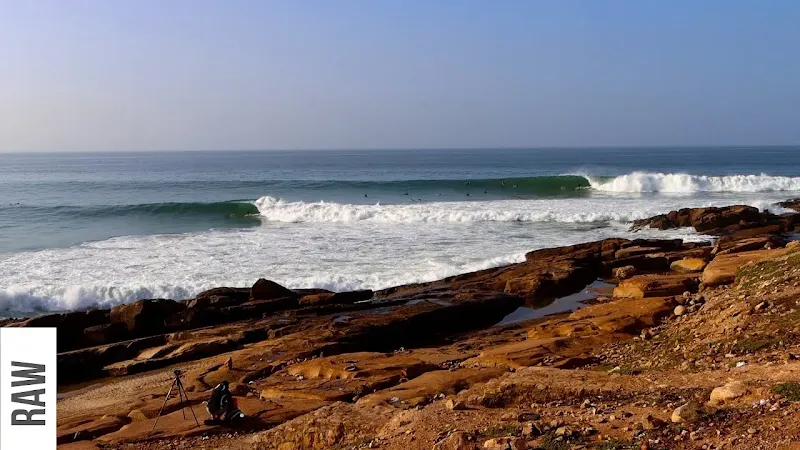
[(506, 443), (652, 423), (624, 272), (530, 429), (752, 431), (728, 392), (454, 405), (136, 415), (586, 403), (686, 413), (679, 310), (563, 431), (760, 306)]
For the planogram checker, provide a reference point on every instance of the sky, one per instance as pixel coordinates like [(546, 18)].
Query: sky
[(129, 75)]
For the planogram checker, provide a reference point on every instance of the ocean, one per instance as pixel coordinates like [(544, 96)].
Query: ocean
[(85, 230)]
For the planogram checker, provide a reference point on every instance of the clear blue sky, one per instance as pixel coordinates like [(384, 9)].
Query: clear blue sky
[(193, 74)]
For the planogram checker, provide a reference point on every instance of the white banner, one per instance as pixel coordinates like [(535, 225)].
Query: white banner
[(27, 388)]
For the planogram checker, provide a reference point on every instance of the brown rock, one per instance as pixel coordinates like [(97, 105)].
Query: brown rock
[(624, 272), (746, 245), (145, 317), (137, 414), (422, 389), (505, 443), (656, 285), (628, 252), (727, 393), (688, 265), (265, 289), (688, 413), (69, 326), (336, 298), (458, 440), (652, 423), (722, 270), (106, 333), (455, 405)]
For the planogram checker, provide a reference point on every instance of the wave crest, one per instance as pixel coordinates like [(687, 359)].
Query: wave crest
[(686, 183)]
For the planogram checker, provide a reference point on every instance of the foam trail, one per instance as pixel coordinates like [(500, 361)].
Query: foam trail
[(685, 183), (277, 210)]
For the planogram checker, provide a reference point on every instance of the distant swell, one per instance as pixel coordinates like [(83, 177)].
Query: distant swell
[(234, 210), (685, 183)]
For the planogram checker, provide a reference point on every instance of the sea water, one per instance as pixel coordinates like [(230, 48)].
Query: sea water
[(91, 229)]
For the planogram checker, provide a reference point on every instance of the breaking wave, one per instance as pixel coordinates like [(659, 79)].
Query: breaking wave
[(685, 183), (278, 210)]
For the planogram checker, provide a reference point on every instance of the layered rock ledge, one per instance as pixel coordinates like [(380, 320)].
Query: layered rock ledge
[(427, 366)]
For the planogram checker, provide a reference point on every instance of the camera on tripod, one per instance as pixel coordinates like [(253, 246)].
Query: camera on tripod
[(183, 398)]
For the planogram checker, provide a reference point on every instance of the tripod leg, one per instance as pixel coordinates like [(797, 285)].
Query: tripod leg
[(183, 406), (180, 387), (162, 407)]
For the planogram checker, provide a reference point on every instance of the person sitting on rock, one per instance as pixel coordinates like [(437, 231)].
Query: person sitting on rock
[(222, 406)]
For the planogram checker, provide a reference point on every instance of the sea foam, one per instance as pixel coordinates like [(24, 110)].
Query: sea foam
[(686, 183)]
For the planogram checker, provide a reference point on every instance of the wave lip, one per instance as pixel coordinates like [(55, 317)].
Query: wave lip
[(686, 183)]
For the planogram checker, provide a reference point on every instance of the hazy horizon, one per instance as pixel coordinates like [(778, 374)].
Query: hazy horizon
[(91, 76)]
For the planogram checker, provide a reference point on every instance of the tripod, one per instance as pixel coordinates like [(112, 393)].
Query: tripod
[(184, 399)]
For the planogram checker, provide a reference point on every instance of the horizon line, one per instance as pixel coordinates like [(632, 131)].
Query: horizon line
[(379, 149)]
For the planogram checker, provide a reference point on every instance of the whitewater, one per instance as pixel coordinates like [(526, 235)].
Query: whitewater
[(323, 245), (688, 184), (96, 230)]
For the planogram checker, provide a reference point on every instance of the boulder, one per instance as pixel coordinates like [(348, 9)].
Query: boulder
[(259, 308), (268, 290), (652, 423), (746, 245), (239, 294), (624, 272), (317, 299), (70, 326), (791, 204), (727, 393), (722, 270), (642, 263), (506, 443), (688, 265), (146, 317), (656, 285), (458, 440), (455, 405), (688, 413), (708, 219), (628, 252), (106, 333)]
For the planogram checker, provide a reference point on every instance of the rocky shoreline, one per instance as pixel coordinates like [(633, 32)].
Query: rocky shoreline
[(425, 366)]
